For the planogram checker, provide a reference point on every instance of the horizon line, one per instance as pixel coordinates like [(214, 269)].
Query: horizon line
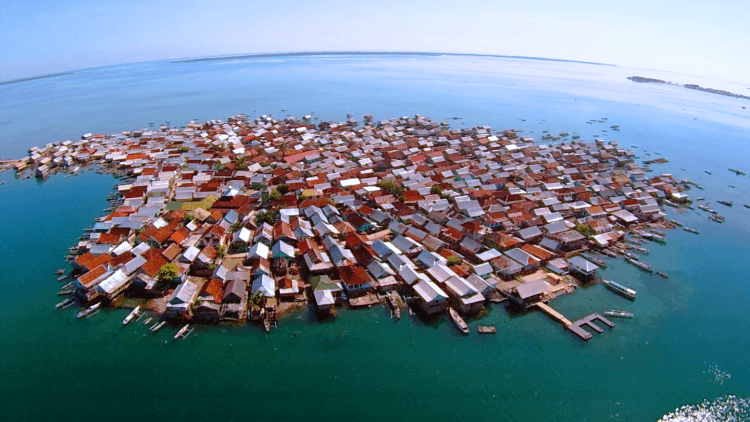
[(246, 56)]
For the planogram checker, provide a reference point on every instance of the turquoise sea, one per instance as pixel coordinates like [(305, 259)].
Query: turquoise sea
[(687, 344)]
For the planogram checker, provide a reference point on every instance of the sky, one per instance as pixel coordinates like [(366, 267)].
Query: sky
[(710, 39)]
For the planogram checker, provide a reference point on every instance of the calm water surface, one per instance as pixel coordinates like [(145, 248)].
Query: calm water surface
[(688, 342)]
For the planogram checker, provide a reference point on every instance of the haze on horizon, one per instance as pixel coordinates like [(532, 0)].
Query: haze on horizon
[(705, 39)]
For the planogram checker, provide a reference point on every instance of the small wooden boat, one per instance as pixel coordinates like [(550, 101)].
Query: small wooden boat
[(183, 332), (65, 303), (131, 315), (487, 329), (616, 313), (727, 203), (88, 311), (66, 291), (60, 271), (267, 325), (158, 326), (62, 277), (691, 230), (148, 320), (460, 323), (662, 274)]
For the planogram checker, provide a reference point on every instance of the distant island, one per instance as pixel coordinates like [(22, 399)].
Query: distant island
[(688, 86)]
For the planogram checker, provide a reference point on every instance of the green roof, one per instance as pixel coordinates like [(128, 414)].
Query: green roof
[(322, 282), (206, 203)]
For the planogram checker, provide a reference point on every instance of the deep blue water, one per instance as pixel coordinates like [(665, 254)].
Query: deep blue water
[(689, 330)]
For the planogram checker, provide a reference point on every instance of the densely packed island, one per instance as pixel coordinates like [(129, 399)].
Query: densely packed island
[(244, 219)]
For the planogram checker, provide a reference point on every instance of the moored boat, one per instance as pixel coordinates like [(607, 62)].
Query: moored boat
[(639, 264), (131, 315), (727, 203), (88, 311), (183, 332), (691, 230), (620, 289), (717, 218), (460, 323), (65, 303), (158, 326), (616, 313), (662, 274), (487, 329)]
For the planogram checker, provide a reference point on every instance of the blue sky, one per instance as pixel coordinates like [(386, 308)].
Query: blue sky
[(704, 38)]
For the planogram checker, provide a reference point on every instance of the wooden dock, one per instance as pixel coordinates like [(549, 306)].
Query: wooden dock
[(553, 313), (577, 327)]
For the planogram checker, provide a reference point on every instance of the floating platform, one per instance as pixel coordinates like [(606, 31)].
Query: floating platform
[(577, 327)]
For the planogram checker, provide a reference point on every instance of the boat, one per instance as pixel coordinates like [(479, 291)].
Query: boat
[(691, 230), (267, 325), (747, 206), (88, 311), (716, 218), (640, 249), (639, 264), (657, 232), (487, 329), (131, 315), (183, 332), (460, 323), (676, 223), (66, 290), (148, 320), (620, 289), (62, 277), (576, 136), (706, 208), (60, 271), (662, 274), (729, 204), (706, 171), (158, 326), (701, 198), (65, 303), (600, 262), (616, 313)]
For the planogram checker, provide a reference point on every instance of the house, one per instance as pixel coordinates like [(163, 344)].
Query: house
[(582, 267), (463, 295), (430, 298), (356, 280), (506, 268), (233, 304), (178, 305), (283, 250), (264, 285), (570, 240), (529, 293), (325, 292), (527, 261)]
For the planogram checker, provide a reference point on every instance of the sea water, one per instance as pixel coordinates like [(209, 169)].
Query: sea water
[(685, 350)]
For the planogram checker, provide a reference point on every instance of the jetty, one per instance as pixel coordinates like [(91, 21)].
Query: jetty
[(576, 327)]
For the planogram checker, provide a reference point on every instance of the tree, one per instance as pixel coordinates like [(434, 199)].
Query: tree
[(283, 188), (241, 163), (236, 226), (435, 190), (391, 187), (275, 195), (168, 272), (221, 251), (266, 216), (585, 230), (454, 260)]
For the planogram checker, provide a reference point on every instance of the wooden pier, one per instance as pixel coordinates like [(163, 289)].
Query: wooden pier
[(577, 327), (553, 313)]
